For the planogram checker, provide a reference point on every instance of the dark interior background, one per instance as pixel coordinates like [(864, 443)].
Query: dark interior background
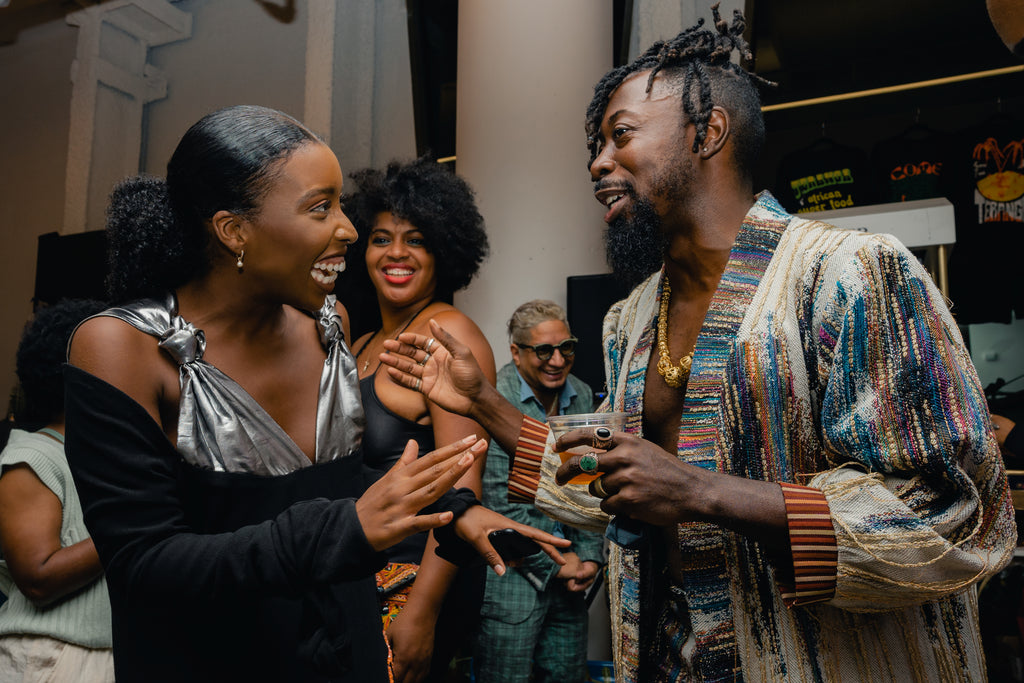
[(815, 48)]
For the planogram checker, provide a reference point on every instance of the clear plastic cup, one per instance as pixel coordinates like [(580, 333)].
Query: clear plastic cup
[(562, 424)]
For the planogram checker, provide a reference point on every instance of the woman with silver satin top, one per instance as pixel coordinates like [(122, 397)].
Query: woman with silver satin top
[(214, 423)]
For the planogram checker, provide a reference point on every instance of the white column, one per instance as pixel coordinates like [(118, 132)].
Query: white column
[(112, 84), (371, 102), (527, 70), (320, 67)]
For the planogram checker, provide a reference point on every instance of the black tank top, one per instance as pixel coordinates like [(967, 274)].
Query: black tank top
[(387, 433), (383, 442)]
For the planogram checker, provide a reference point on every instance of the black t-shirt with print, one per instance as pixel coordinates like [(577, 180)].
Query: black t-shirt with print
[(823, 176), (985, 278), (912, 165)]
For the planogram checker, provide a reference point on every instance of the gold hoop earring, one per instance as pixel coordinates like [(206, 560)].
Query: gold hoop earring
[(241, 260)]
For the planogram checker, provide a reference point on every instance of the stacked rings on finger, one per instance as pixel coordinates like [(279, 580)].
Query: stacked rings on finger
[(603, 438), (588, 462), (419, 383), (597, 488)]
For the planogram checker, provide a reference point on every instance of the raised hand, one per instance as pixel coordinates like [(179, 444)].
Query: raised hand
[(440, 367), (388, 509), (478, 521)]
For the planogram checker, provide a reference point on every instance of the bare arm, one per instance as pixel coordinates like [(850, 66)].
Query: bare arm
[(30, 522), (412, 632), (453, 379), (346, 326)]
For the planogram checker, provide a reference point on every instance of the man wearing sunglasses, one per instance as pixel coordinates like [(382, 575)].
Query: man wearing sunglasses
[(534, 618)]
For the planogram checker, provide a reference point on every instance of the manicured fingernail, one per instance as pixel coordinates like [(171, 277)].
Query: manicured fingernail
[(499, 570), (469, 439), (467, 459)]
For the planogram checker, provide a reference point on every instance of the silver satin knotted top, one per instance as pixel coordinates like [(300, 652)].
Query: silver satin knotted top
[(221, 427)]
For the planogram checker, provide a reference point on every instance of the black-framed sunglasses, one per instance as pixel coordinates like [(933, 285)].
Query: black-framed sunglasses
[(567, 347)]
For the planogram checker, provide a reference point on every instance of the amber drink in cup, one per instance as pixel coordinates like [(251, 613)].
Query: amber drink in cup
[(563, 424)]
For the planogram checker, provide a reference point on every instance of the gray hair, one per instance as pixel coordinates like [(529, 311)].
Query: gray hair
[(531, 314)]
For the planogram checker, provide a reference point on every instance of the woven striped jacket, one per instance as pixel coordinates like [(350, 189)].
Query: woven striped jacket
[(827, 360)]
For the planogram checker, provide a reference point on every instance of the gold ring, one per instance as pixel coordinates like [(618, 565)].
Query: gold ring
[(597, 489)]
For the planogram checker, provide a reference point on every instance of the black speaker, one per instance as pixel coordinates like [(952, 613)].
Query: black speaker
[(71, 266), (588, 298)]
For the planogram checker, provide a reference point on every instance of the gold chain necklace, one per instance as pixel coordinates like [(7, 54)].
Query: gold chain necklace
[(675, 375)]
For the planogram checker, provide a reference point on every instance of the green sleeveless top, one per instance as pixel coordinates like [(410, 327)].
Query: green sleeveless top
[(83, 618)]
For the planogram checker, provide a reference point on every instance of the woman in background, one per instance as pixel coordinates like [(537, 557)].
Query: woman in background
[(214, 423), (55, 624), (423, 241)]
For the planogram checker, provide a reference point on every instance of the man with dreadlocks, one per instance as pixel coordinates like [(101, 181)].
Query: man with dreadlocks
[(808, 487)]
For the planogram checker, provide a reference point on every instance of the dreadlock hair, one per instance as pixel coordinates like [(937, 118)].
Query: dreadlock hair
[(697, 63)]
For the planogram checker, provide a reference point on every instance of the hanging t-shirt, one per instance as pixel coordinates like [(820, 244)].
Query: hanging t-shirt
[(822, 177), (912, 165), (985, 277)]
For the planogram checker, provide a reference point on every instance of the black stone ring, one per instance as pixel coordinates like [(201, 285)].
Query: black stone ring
[(603, 438)]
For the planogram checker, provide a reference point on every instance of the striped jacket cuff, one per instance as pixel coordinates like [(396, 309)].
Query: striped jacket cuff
[(813, 544), (524, 473)]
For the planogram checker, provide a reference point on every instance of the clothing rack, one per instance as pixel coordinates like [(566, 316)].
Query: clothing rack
[(893, 88)]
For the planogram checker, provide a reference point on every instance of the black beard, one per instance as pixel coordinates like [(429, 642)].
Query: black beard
[(634, 245)]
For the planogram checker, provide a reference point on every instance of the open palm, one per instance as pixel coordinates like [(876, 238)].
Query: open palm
[(448, 375)]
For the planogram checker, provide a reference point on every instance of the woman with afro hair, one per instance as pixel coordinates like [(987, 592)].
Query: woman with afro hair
[(422, 240)]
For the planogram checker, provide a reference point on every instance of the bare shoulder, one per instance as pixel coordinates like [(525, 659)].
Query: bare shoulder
[(462, 327), (345, 324), (105, 342), (455, 321), (124, 357)]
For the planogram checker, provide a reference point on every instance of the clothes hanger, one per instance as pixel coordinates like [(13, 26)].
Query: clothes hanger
[(822, 143), (917, 130), (1000, 117)]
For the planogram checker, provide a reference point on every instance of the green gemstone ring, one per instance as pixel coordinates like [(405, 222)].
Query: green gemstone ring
[(588, 462)]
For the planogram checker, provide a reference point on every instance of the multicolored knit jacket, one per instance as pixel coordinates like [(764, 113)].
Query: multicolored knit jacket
[(827, 362)]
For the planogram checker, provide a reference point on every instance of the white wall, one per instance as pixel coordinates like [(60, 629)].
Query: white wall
[(998, 352), (238, 53), (34, 116), (225, 62), (523, 89)]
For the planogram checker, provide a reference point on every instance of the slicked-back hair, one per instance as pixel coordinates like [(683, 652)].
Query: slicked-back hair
[(698, 65), (531, 314), (227, 161), (436, 202)]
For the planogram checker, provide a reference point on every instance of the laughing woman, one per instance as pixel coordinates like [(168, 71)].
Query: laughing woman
[(424, 241), (214, 423)]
